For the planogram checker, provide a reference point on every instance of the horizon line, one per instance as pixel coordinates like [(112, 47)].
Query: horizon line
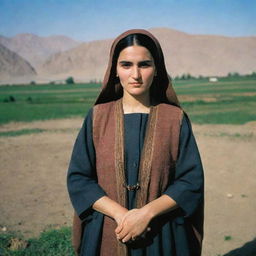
[(108, 38)]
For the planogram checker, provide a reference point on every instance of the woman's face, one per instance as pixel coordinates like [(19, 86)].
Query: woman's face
[(136, 70)]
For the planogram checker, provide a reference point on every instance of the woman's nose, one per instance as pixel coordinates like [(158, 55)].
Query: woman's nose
[(136, 72)]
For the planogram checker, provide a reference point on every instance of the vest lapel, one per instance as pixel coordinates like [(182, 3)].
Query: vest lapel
[(146, 158), (145, 163), (119, 165), (119, 154)]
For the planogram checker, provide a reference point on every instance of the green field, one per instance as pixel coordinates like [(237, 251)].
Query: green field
[(50, 243), (225, 102)]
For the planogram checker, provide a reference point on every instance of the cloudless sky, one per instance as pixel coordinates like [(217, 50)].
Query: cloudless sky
[(87, 20)]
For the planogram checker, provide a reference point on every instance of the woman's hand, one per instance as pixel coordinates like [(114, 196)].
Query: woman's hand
[(119, 215), (133, 224), (110, 208)]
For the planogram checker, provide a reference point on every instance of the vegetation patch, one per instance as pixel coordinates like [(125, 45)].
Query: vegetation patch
[(243, 136), (227, 238), (20, 132), (228, 117), (228, 101), (51, 243)]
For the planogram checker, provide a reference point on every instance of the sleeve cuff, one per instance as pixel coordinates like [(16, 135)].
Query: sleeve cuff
[(187, 200)]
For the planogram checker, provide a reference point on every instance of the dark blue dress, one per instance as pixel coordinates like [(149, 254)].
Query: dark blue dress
[(171, 236)]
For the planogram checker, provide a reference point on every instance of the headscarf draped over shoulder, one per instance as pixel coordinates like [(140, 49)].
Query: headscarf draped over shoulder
[(111, 88)]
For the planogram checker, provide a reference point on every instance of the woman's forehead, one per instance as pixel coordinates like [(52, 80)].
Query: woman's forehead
[(135, 52)]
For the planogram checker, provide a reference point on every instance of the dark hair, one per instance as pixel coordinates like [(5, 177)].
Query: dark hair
[(160, 81), (136, 39)]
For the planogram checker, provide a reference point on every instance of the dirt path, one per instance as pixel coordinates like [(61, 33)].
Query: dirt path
[(33, 180)]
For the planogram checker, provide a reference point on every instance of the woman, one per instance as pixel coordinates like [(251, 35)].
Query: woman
[(135, 177)]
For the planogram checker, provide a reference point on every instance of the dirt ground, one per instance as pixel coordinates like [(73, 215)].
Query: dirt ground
[(33, 195)]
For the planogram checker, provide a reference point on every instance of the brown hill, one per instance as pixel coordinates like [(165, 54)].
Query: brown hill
[(12, 65), (206, 55), (87, 61), (36, 49)]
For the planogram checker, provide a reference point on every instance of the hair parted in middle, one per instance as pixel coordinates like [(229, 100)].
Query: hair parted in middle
[(112, 89)]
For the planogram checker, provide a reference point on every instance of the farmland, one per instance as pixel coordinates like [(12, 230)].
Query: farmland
[(38, 127), (230, 102)]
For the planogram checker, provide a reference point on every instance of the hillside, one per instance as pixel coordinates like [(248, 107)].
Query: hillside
[(87, 61), (13, 65), (36, 49), (206, 55), (57, 57)]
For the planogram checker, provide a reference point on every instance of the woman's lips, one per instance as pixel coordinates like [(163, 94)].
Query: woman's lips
[(136, 84)]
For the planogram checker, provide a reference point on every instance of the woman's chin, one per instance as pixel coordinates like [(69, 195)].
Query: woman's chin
[(138, 92)]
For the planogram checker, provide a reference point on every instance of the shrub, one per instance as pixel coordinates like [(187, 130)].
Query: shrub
[(70, 80), (9, 99)]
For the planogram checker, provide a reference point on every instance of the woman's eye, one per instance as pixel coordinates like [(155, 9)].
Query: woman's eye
[(126, 65), (145, 64)]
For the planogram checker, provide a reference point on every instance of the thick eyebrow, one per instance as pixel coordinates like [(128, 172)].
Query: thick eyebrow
[(124, 62), (146, 62), (141, 62)]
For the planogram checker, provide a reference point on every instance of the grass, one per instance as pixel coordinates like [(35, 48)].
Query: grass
[(20, 132), (42, 102), (234, 101), (227, 238), (50, 243)]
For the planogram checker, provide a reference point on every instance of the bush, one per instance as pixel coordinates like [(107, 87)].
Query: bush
[(50, 243), (9, 99), (29, 99), (70, 80)]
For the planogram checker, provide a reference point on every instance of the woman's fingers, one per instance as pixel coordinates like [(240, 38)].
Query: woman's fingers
[(127, 238), (120, 223), (128, 235), (133, 224), (118, 229), (122, 234)]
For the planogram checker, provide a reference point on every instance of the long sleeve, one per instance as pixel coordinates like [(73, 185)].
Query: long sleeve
[(82, 179), (188, 186)]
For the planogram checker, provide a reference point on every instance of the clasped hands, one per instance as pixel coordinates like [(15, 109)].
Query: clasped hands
[(132, 224)]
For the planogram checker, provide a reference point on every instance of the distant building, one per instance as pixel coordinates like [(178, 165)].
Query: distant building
[(213, 79)]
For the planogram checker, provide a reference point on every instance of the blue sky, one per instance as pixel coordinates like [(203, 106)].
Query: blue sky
[(99, 19)]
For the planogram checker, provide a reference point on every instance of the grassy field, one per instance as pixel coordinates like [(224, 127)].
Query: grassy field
[(50, 243), (228, 101), (41, 102)]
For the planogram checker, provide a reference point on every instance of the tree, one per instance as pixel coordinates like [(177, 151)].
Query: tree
[(70, 80)]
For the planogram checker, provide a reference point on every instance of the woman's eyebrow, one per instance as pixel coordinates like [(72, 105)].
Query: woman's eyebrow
[(146, 62), (124, 62), (143, 61)]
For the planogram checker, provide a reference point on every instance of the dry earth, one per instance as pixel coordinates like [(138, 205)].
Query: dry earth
[(33, 181)]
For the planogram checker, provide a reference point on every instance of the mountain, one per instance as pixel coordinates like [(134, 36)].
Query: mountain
[(207, 55), (87, 61), (36, 49), (12, 65)]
